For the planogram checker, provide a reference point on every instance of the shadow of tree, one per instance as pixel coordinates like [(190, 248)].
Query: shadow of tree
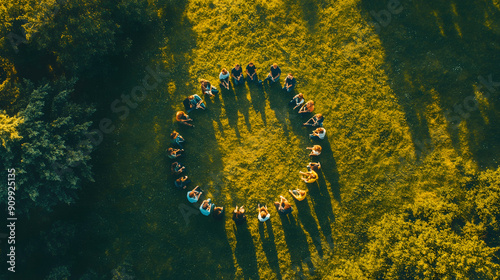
[(435, 52)]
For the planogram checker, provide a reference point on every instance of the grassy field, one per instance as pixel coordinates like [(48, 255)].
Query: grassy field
[(384, 95)]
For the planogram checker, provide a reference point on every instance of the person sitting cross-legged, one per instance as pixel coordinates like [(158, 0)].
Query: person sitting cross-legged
[(309, 177), (274, 74), (206, 207), (315, 150), (182, 182), (263, 213), (174, 153), (218, 212), (252, 74), (177, 139), (318, 134), (307, 108), (298, 194), (207, 88), (194, 194), (316, 166), (315, 121), (196, 102), (289, 83), (177, 168), (297, 101), (237, 74), (283, 206), (183, 118), (224, 78), (239, 215)]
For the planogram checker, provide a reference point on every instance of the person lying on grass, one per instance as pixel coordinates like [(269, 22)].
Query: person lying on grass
[(307, 108), (289, 83), (177, 139), (297, 101), (283, 206), (194, 194), (218, 212), (315, 150), (237, 74), (177, 168), (174, 153), (183, 118), (182, 182), (298, 194), (207, 88), (224, 78), (206, 207), (263, 213), (239, 215), (316, 120), (274, 74), (196, 102), (309, 176), (318, 134)]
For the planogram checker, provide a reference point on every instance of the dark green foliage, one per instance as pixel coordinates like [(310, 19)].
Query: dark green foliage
[(51, 159), (59, 273)]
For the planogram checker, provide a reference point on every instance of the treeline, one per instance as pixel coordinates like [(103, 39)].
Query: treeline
[(49, 51)]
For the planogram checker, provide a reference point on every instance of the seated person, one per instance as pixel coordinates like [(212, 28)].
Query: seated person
[(224, 78), (263, 213), (237, 74), (183, 118), (182, 182), (289, 83), (196, 102), (307, 108), (316, 120), (315, 150), (206, 207), (218, 212), (252, 74), (298, 194), (314, 166), (274, 74), (207, 88), (318, 134), (177, 168), (194, 194), (177, 139), (309, 177), (297, 101), (283, 206), (239, 215), (174, 153)]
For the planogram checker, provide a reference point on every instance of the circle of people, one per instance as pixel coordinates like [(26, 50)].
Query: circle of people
[(194, 102)]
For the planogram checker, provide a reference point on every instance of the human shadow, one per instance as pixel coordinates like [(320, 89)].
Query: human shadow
[(229, 97), (243, 104), (269, 247), (307, 220), (214, 109), (245, 252), (296, 241), (329, 168), (258, 97), (277, 103), (436, 54)]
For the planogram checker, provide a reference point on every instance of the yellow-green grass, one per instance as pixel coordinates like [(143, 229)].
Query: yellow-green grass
[(383, 95)]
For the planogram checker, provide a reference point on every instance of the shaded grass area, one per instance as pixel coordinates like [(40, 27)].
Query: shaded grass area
[(379, 100)]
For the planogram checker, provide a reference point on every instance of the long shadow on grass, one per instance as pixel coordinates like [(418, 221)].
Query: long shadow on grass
[(245, 252), (269, 247), (258, 97), (296, 241), (307, 220), (231, 109), (243, 104), (277, 102), (435, 53)]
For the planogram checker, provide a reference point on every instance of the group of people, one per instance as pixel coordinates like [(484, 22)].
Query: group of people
[(194, 102)]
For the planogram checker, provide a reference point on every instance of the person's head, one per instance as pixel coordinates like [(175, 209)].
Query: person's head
[(290, 75), (301, 192), (203, 81), (217, 210), (317, 148), (275, 65), (192, 194), (319, 116), (170, 150), (224, 71), (263, 213), (250, 64), (237, 66), (179, 180), (310, 102), (205, 204), (321, 130), (174, 134), (286, 205), (301, 96)]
